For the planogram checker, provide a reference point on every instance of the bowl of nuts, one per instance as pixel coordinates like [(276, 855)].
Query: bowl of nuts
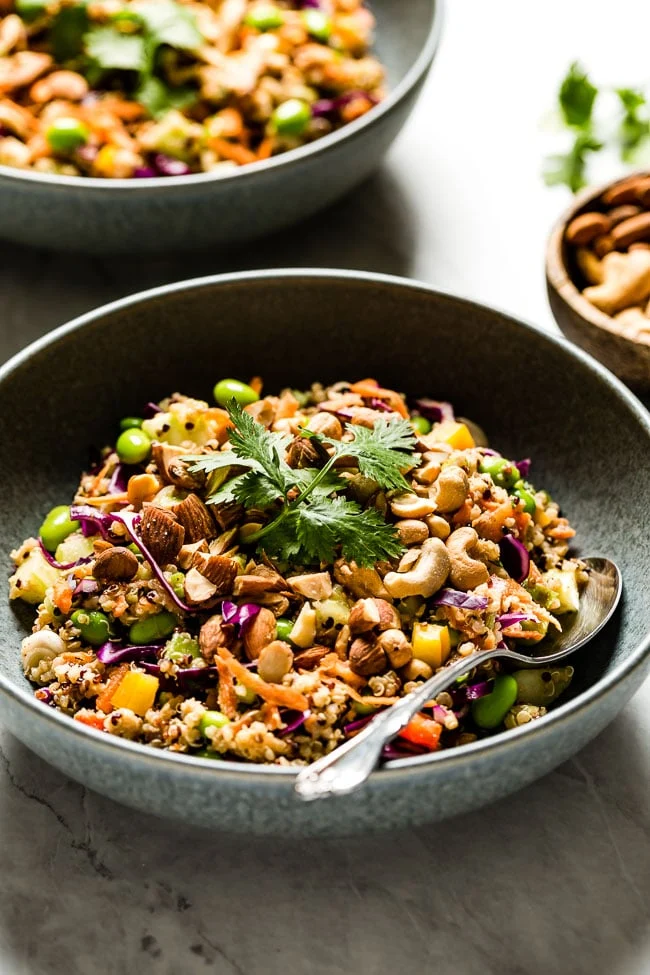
[(598, 276)]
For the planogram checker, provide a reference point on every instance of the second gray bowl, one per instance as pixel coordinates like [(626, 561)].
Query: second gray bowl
[(145, 215)]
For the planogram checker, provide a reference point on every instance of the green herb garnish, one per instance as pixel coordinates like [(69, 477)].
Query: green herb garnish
[(634, 128), (569, 169), (577, 96), (310, 519)]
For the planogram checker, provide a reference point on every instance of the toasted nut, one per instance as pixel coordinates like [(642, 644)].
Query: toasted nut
[(417, 669), (396, 647), (411, 506), (626, 282), (604, 245), (327, 425), (12, 34), (166, 457), (219, 569), (438, 527), (198, 589), (429, 471), (116, 564), (187, 553), (360, 582), (304, 453), (275, 661), (141, 488), (310, 659), (370, 614), (640, 245), (21, 69), (261, 580), (411, 532), (584, 228), (342, 642), (68, 85), (625, 191), (590, 265), (195, 518), (313, 585), (367, 657), (619, 214), (466, 572), (629, 231), (161, 533), (451, 489), (426, 577), (259, 632), (214, 634)]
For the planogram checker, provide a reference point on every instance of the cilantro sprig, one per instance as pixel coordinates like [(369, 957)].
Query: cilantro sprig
[(310, 519)]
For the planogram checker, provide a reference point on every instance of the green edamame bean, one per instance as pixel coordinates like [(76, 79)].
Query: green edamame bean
[(503, 472), (67, 134), (264, 17), (520, 490), (152, 628), (245, 695), (291, 117), (283, 628), (318, 24), (541, 686), (94, 626), (131, 423), (489, 711), (421, 424), (177, 582), (212, 719), (229, 389), (133, 446), (57, 526)]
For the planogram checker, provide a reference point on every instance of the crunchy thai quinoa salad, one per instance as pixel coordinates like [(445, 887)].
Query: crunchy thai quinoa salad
[(255, 580), (143, 88)]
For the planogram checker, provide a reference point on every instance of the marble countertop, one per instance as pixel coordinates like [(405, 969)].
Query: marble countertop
[(555, 879)]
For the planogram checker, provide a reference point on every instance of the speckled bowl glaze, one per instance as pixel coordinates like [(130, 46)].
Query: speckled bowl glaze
[(534, 394), (106, 216)]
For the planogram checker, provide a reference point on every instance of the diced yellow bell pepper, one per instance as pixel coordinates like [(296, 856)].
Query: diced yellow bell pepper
[(431, 643), (457, 435), (136, 691), (542, 518)]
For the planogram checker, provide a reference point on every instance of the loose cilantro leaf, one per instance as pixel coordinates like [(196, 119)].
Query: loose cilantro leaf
[(169, 23), (569, 169), (110, 49), (382, 452), (158, 98), (634, 127), (68, 29), (577, 96), (363, 536)]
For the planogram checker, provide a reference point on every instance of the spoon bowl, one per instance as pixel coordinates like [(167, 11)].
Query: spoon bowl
[(347, 768)]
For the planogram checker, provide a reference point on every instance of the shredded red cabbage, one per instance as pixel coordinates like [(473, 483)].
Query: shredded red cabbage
[(510, 619), (401, 749), (63, 565), (515, 558), (112, 653), (523, 466), (474, 691), (442, 714), (86, 588), (119, 480), (295, 722), (327, 106), (183, 675), (490, 452), (168, 166), (459, 600), (379, 404), (92, 522), (435, 410), (353, 726), (239, 615), (144, 172), (150, 409)]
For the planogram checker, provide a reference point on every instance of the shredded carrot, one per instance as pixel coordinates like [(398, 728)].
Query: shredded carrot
[(92, 720), (369, 389), (257, 384), (62, 596), (287, 406), (333, 666), (232, 151), (370, 700), (562, 530), (463, 514), (227, 695), (490, 524), (114, 681), (522, 520), (284, 697), (270, 714), (99, 478), (265, 149), (103, 499)]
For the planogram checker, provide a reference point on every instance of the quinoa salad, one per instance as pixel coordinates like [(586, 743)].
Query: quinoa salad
[(145, 88), (255, 580)]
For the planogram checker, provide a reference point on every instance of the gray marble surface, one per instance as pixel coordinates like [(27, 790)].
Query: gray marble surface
[(555, 879)]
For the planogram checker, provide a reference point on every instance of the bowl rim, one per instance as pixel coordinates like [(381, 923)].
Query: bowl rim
[(250, 774), (413, 76), (557, 273)]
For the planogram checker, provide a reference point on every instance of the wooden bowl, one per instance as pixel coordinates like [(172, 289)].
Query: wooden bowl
[(581, 321)]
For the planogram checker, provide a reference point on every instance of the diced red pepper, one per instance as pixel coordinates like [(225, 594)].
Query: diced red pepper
[(423, 731), (92, 720)]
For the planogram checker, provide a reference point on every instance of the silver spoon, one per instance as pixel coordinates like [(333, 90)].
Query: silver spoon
[(347, 767)]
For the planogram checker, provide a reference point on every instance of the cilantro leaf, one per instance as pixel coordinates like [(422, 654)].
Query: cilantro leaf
[(255, 490), (569, 169), (226, 493), (68, 29), (364, 537), (577, 96), (634, 128), (158, 98), (382, 452), (251, 441), (169, 23), (327, 484), (216, 460), (110, 49)]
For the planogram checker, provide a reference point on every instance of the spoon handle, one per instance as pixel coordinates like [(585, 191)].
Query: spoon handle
[(348, 767)]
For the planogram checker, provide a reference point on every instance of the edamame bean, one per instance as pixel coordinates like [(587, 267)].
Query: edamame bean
[(131, 423), (283, 628), (489, 711), (229, 389), (57, 526), (93, 625), (503, 472), (133, 446), (67, 134), (318, 24), (541, 686), (421, 424), (152, 628), (264, 17), (291, 117), (521, 491), (212, 719), (177, 582), (245, 695)]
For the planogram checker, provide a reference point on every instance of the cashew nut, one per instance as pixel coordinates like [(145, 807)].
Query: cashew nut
[(590, 265), (327, 425), (411, 531), (43, 645), (438, 527), (60, 84), (626, 281), (633, 323), (12, 34), (427, 576), (22, 68), (408, 505), (15, 118), (466, 572), (451, 489), (430, 470)]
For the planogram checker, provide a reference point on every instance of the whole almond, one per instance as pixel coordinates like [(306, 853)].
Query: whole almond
[(619, 214), (161, 533), (628, 232), (583, 229), (604, 245), (116, 564), (258, 633)]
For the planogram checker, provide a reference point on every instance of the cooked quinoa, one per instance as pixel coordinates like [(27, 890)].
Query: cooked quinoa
[(255, 580), (145, 88)]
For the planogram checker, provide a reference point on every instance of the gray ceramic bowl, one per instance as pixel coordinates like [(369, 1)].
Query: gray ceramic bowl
[(104, 216), (535, 395)]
